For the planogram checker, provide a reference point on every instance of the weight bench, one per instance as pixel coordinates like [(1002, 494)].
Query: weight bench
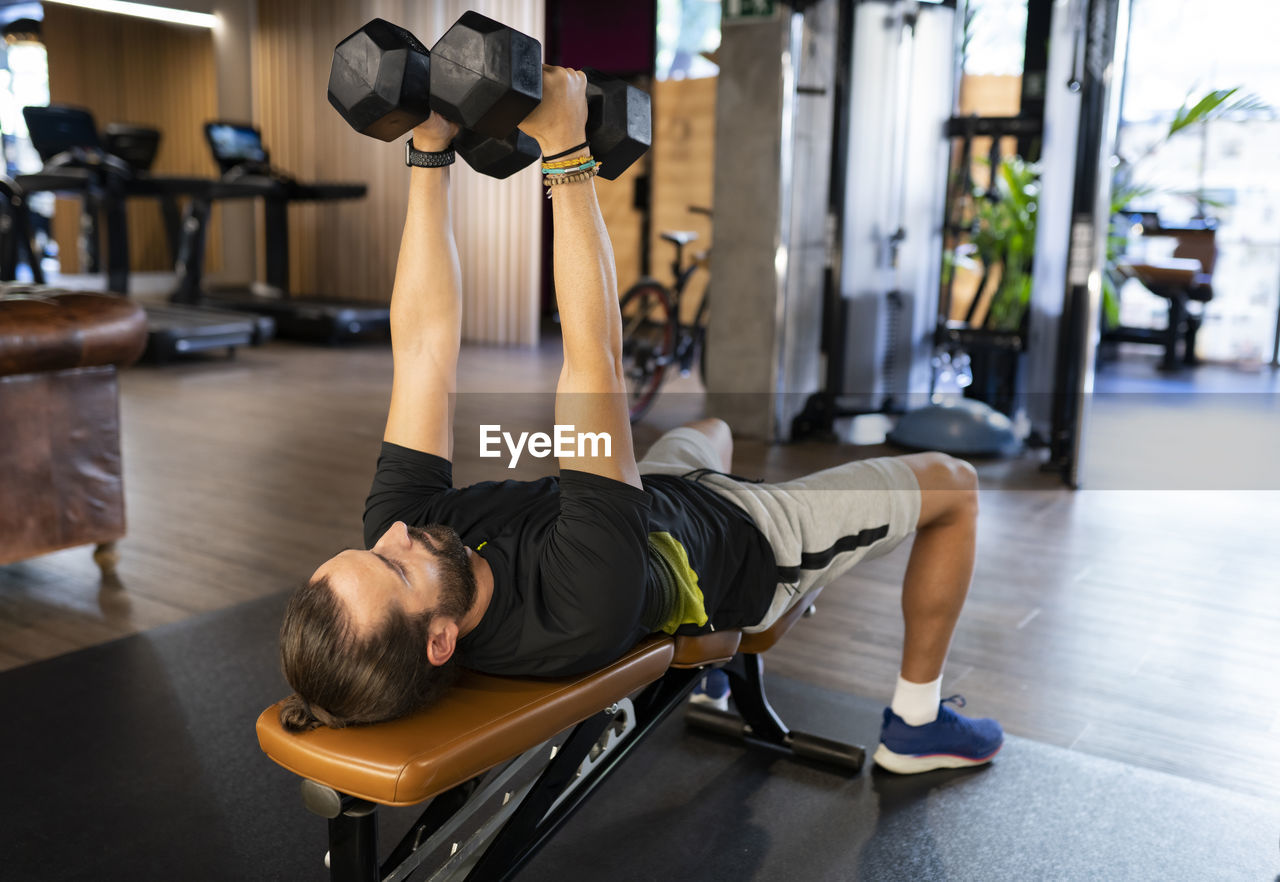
[(506, 761)]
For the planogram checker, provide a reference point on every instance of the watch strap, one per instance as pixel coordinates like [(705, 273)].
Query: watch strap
[(426, 159)]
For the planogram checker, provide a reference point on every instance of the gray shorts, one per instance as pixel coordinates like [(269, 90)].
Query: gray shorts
[(819, 525)]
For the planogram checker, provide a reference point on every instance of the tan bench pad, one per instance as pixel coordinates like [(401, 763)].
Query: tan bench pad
[(479, 723)]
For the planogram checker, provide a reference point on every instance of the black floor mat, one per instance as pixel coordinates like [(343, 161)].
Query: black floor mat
[(694, 807), (137, 760)]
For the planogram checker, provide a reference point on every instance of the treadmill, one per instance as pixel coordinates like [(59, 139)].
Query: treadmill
[(77, 163), (245, 166), (17, 239)]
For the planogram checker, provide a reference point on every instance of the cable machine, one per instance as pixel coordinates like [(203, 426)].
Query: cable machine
[(903, 195)]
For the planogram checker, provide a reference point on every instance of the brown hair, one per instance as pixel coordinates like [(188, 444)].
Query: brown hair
[(344, 679)]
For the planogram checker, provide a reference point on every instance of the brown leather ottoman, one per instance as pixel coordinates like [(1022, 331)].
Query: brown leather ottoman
[(60, 479)]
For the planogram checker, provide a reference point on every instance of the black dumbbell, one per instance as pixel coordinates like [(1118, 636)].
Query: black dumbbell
[(619, 125), (380, 81), (487, 77)]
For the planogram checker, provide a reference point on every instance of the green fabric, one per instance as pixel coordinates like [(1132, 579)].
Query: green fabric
[(679, 584)]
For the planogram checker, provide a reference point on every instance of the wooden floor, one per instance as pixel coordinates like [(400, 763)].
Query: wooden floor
[(1141, 625)]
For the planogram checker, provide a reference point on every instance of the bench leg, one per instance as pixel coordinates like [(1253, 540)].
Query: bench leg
[(746, 679), (353, 832), (757, 723), (353, 847)]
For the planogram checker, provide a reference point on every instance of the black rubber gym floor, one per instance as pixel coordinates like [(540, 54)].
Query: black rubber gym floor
[(137, 760)]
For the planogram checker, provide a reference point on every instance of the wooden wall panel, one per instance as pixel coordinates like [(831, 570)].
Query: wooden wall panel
[(499, 223), (349, 249), (991, 95), (127, 69), (684, 132)]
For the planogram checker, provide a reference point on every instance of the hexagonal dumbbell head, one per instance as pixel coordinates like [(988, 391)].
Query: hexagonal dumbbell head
[(497, 157), (486, 76), (380, 80), (619, 123)]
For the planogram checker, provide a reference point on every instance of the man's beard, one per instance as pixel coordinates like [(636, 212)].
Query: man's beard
[(457, 581)]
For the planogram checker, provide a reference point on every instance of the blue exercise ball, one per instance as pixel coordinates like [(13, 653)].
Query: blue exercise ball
[(960, 426)]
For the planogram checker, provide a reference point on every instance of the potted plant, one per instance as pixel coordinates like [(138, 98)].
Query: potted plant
[(1000, 246), (1004, 240)]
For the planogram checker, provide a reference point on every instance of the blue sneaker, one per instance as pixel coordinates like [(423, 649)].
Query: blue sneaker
[(949, 742), (712, 690)]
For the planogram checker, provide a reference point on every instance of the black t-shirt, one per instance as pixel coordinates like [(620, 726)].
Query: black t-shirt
[(572, 588)]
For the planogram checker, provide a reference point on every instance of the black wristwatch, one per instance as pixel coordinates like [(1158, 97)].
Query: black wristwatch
[(425, 159)]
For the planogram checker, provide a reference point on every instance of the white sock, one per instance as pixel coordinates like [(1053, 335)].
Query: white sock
[(916, 703)]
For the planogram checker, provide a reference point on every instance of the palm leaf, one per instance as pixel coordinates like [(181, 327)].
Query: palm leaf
[(1214, 105), (1197, 196), (1187, 116)]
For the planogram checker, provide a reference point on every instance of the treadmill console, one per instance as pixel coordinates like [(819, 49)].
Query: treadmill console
[(136, 145), (235, 144), (59, 128)]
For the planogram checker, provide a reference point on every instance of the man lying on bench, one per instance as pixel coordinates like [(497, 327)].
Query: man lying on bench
[(561, 576)]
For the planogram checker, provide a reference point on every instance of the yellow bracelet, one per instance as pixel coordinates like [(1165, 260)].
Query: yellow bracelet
[(568, 163)]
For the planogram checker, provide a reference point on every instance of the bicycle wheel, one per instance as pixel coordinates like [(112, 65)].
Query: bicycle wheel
[(648, 339)]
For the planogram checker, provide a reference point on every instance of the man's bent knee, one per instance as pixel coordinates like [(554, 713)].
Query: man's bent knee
[(721, 437), (948, 486)]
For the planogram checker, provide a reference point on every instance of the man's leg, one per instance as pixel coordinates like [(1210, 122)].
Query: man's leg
[(941, 564), (701, 444), (918, 732), (822, 524), (718, 433)]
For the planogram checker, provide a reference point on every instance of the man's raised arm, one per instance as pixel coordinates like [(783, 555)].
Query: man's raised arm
[(591, 393), (426, 308)]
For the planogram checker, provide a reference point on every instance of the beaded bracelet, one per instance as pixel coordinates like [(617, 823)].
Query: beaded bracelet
[(569, 176)]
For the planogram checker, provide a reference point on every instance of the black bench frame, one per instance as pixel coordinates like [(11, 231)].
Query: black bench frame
[(532, 796)]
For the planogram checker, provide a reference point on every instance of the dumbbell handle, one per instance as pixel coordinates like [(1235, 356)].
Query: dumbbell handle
[(594, 98)]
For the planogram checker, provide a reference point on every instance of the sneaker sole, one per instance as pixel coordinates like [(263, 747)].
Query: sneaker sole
[(910, 764), (720, 704)]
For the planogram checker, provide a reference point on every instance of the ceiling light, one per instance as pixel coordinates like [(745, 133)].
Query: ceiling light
[(146, 10)]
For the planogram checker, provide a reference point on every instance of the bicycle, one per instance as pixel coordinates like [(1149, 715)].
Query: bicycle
[(653, 336)]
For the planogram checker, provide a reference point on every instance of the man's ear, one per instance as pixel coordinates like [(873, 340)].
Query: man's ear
[(442, 639)]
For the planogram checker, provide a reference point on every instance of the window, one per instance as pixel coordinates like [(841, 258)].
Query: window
[(1228, 169)]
